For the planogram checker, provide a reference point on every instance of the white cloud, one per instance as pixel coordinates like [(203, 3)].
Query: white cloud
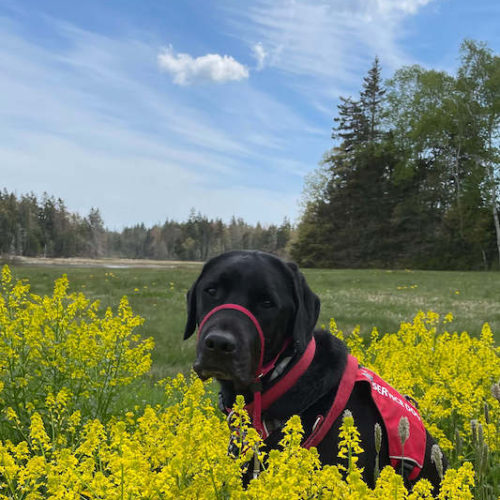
[(209, 68), (260, 54)]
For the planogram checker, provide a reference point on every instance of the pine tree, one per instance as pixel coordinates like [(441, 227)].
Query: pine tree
[(352, 129), (372, 100), (354, 207)]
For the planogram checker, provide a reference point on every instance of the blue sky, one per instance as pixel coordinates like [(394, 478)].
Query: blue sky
[(146, 109)]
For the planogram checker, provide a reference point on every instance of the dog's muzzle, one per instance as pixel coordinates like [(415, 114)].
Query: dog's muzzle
[(225, 343)]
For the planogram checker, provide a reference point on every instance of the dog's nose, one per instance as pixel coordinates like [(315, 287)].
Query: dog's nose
[(220, 342)]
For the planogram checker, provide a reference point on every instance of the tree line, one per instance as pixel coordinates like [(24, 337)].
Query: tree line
[(45, 227), (413, 177)]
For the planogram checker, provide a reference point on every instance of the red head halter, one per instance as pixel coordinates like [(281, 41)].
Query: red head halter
[(261, 370), (283, 385), (252, 318)]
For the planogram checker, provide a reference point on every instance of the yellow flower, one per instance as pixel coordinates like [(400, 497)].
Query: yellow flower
[(38, 436), (457, 484), (349, 444)]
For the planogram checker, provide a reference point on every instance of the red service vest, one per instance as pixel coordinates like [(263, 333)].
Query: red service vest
[(392, 406)]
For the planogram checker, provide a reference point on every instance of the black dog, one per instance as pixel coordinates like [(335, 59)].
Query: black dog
[(256, 316)]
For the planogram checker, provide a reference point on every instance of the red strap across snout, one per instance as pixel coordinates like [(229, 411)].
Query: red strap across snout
[(247, 313), (257, 419)]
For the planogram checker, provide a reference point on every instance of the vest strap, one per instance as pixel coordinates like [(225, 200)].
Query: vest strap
[(343, 393)]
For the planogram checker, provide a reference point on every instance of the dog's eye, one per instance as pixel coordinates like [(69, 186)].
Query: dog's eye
[(267, 304), (211, 291)]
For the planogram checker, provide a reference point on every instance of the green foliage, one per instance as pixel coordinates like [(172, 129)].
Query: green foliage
[(413, 179), (33, 227)]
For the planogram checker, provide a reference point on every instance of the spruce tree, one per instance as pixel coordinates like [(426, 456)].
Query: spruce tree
[(354, 205), (372, 100)]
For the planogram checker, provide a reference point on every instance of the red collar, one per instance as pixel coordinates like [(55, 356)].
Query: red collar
[(263, 401)]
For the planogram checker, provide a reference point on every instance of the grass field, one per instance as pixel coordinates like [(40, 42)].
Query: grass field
[(369, 298)]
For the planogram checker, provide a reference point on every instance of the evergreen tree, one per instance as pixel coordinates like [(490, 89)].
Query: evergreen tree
[(372, 102), (353, 127), (353, 209), (414, 175)]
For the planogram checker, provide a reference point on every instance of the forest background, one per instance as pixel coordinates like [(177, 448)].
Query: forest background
[(411, 181)]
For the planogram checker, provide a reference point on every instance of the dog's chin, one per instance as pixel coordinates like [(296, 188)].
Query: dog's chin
[(240, 381)]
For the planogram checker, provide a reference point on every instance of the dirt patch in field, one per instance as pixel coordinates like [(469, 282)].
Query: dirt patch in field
[(107, 263)]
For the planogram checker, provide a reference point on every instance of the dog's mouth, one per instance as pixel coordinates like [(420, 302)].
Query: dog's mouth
[(207, 373), (219, 373)]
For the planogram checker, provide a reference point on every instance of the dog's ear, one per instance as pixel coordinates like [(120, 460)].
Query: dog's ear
[(308, 306), (191, 299), (191, 311)]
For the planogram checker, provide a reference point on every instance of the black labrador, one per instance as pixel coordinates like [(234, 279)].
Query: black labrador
[(276, 297)]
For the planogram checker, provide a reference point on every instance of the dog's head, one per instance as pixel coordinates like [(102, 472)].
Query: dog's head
[(275, 292)]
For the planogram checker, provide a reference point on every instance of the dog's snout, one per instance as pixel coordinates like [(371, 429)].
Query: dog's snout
[(220, 342)]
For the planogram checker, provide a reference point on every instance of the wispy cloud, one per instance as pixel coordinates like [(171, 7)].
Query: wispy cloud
[(406, 6), (319, 43), (260, 54), (187, 70)]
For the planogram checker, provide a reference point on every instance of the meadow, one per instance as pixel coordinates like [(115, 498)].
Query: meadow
[(81, 417), (368, 298)]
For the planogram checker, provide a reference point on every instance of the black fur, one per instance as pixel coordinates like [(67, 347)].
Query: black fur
[(228, 349)]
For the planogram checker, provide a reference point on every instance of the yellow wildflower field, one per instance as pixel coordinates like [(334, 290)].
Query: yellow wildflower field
[(63, 362)]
